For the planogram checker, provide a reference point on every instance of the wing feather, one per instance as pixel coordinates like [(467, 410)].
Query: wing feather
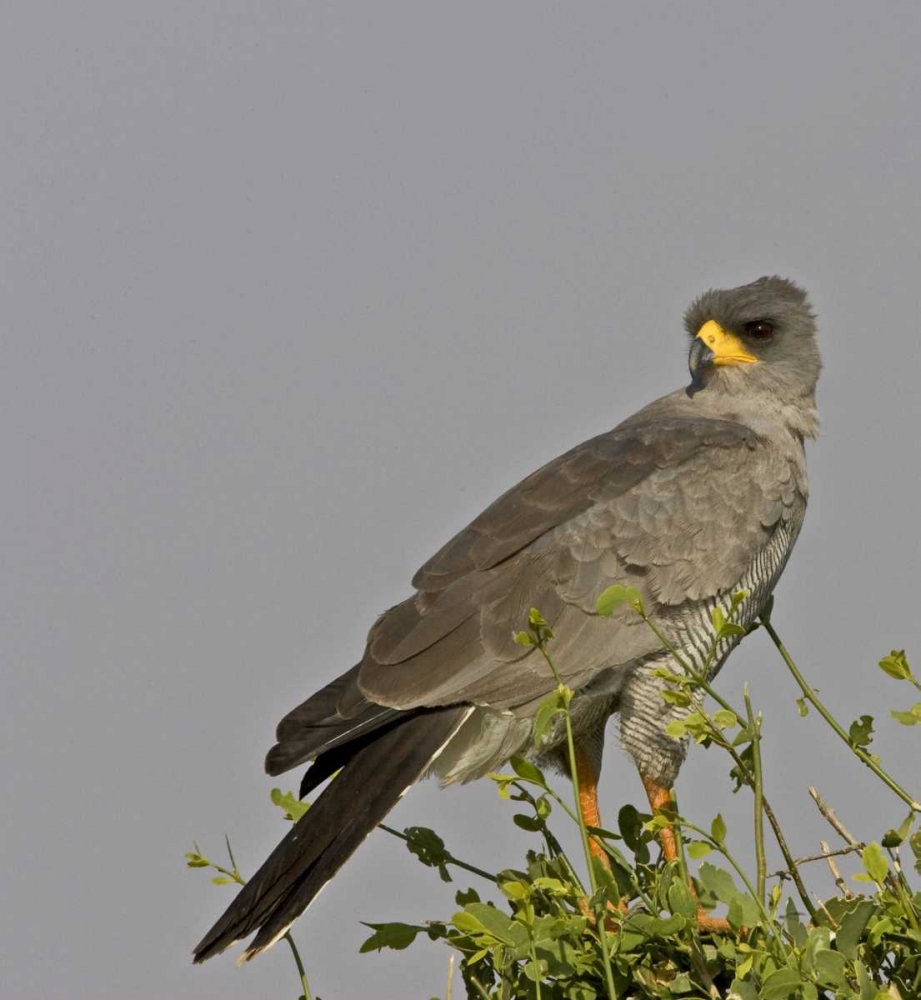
[(675, 505)]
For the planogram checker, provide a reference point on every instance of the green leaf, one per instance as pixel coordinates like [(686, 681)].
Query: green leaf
[(530, 823), (611, 599), (718, 829), (861, 732), (794, 925), (536, 619), (910, 718), (896, 665), (464, 896), (546, 711), (552, 885), (698, 849), (725, 719), (745, 966), (851, 927), (523, 638), (736, 913), (741, 990), (895, 837), (680, 985), (429, 848), (502, 782), (680, 900), (222, 880), (396, 935), (737, 598), (875, 865), (630, 826), (196, 861), (528, 771), (780, 984), (718, 618), (830, 967), (914, 842), (867, 989), (482, 918), (719, 885), (292, 806), (698, 725), (802, 706), (515, 890), (681, 698), (676, 729)]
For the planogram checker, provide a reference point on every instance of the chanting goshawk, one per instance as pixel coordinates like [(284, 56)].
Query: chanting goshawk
[(697, 496)]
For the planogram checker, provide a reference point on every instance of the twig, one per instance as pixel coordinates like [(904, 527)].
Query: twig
[(788, 857), (449, 857), (826, 810), (754, 725), (813, 699), (831, 920), (824, 856), (835, 871), (574, 778), (449, 992)]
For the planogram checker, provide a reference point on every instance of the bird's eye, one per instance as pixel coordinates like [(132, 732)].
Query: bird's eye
[(760, 329)]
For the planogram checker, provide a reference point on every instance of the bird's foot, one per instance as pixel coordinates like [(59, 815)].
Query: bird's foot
[(613, 919), (714, 925)]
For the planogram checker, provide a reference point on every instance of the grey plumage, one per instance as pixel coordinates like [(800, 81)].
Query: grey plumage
[(697, 495)]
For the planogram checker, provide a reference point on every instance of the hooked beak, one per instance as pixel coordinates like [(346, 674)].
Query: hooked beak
[(699, 360), (715, 346)]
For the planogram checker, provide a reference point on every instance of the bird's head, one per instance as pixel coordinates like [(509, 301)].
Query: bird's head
[(756, 338)]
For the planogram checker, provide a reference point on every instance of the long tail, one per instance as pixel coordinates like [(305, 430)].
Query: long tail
[(371, 782)]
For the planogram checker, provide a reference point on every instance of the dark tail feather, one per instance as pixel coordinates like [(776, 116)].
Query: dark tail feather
[(319, 724), (370, 784)]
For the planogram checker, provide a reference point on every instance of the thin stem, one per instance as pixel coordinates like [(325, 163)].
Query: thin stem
[(449, 858), (449, 989), (826, 810), (813, 700), (899, 883), (700, 679), (834, 869), (583, 829), (827, 855), (238, 878), (788, 857), (305, 986), (477, 985), (553, 845), (755, 726), (574, 777), (740, 871), (679, 846), (529, 915)]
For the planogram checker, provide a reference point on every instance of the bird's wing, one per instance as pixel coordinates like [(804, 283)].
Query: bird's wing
[(676, 506)]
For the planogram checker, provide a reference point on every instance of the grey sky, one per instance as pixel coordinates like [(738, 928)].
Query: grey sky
[(290, 292)]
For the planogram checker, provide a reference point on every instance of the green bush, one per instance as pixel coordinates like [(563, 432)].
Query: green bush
[(630, 930)]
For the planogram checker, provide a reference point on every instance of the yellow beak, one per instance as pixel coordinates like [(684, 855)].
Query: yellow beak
[(726, 348)]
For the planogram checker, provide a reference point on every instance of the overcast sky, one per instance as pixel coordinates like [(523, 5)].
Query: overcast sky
[(291, 291)]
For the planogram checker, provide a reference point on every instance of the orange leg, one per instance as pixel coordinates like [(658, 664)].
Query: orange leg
[(587, 777), (660, 797)]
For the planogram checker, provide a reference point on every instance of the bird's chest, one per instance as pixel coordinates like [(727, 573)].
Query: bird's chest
[(692, 629)]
